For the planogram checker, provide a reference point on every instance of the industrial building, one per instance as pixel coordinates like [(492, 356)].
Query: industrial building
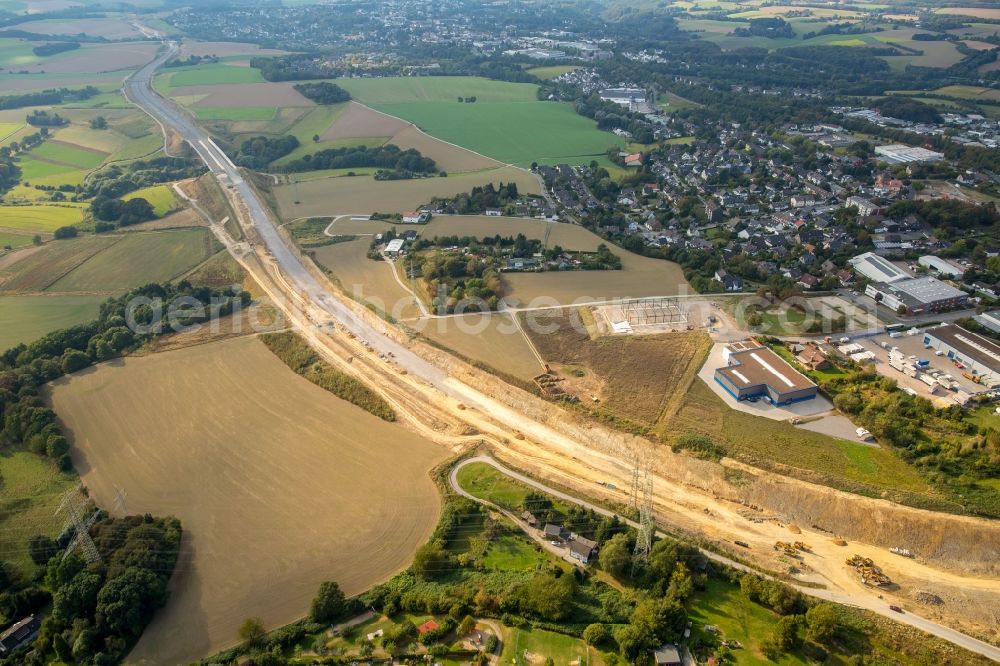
[(897, 153), (989, 320), (918, 295), (623, 96), (977, 353), (941, 267), (878, 269), (753, 371)]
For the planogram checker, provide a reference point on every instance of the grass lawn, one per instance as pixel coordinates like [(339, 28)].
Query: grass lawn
[(396, 90), (511, 553), (552, 71), (15, 52), (28, 318), (32, 169), (512, 132), (723, 605), (68, 153), (485, 482), (138, 259), (211, 75), (160, 197), (29, 496), (524, 646), (6, 129), (669, 102), (14, 241), (234, 112), (817, 457), (39, 218)]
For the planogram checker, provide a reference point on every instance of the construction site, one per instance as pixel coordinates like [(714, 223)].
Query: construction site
[(643, 316)]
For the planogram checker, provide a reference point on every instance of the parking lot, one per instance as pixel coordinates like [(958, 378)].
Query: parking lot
[(913, 345)]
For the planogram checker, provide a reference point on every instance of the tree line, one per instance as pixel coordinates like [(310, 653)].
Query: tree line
[(46, 97), (323, 92)]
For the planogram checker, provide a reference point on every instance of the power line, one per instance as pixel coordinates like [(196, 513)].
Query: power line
[(76, 506)]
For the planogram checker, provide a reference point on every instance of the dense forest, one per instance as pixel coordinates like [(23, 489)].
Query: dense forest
[(389, 158), (259, 151), (323, 92)]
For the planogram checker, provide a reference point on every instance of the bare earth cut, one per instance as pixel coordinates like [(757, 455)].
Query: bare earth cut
[(289, 486)]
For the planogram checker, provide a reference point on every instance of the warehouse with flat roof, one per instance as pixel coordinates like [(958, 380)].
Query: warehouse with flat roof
[(878, 269), (918, 295), (753, 371), (897, 153), (976, 352)]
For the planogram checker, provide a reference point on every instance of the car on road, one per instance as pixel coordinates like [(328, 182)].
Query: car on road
[(895, 608)]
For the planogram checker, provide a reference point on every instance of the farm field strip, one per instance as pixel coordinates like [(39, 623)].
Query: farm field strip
[(29, 317), (40, 217)]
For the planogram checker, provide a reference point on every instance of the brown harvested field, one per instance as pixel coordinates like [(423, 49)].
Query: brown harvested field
[(640, 378), (14, 83), (482, 226), (360, 122), (364, 195), (109, 28), (977, 12), (54, 260), (244, 94), (180, 219), (95, 58), (640, 276), (492, 339), (279, 485), (449, 157), (989, 67), (366, 279), (979, 46), (225, 49)]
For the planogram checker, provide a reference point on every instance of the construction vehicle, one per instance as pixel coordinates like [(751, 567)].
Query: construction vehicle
[(787, 548), (742, 544), (905, 552), (804, 547), (971, 377), (871, 574)]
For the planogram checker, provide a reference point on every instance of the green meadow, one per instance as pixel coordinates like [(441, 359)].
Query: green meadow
[(395, 90), (512, 132), (28, 318), (39, 218)]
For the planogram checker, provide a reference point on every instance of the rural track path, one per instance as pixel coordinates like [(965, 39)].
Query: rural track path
[(911, 619), (428, 396)]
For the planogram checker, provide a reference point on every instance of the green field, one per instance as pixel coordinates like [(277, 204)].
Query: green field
[(68, 153), (562, 649), (40, 269), (552, 71), (29, 496), (14, 52), (723, 605), (210, 75), (139, 259), (234, 112), (160, 197), (485, 482), (14, 241), (34, 169), (512, 553), (6, 129), (27, 318), (512, 132), (39, 218), (669, 102), (395, 90)]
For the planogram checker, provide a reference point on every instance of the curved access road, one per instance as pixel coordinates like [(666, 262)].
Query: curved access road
[(958, 638), (309, 297)]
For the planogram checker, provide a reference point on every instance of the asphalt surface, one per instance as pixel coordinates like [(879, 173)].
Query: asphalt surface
[(138, 89)]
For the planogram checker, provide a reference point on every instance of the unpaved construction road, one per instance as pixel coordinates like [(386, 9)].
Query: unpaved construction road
[(875, 605), (430, 398)]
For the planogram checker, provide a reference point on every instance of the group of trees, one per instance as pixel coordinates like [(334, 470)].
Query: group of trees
[(951, 215), (772, 27), (118, 213), (479, 199), (323, 92), (610, 116), (39, 118), (390, 158), (258, 152), (906, 108), (116, 180), (297, 67), (52, 48)]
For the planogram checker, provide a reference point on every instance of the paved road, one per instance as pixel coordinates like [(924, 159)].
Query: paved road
[(876, 606), (138, 89)]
